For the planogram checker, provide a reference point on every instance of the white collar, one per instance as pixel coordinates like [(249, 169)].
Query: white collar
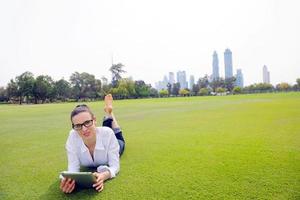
[(99, 143)]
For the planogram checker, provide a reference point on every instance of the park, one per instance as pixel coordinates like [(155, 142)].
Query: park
[(204, 147)]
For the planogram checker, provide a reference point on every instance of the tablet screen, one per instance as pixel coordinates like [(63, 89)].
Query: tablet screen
[(83, 179)]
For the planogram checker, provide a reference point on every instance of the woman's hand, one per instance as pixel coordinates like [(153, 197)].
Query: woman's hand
[(100, 178), (67, 185)]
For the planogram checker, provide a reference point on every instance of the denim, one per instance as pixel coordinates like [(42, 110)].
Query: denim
[(107, 121)]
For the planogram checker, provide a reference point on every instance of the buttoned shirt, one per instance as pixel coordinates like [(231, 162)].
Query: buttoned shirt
[(105, 155)]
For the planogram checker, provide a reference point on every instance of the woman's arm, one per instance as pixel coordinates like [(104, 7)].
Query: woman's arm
[(112, 156), (73, 160), (106, 172), (68, 185)]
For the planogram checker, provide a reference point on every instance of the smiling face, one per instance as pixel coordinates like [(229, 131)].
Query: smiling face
[(88, 127)]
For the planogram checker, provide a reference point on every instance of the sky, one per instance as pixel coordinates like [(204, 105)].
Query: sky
[(151, 38)]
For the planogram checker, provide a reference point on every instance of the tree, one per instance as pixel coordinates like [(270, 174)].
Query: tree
[(83, 85), (3, 94), (237, 90), (203, 82), (104, 80), (218, 82), (142, 89), (184, 92), (124, 89), (203, 91), (298, 82), (12, 90), (195, 89), (25, 86), (229, 83), (43, 88), (116, 70), (169, 87), (98, 88), (258, 87), (163, 93), (63, 89), (283, 87), (153, 92), (220, 90), (175, 89)]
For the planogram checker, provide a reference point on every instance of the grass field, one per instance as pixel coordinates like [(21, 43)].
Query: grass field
[(229, 147)]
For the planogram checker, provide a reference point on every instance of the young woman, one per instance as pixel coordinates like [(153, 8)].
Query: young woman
[(91, 146)]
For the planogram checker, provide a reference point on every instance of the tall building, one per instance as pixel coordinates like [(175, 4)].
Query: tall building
[(239, 78), (228, 63), (266, 74), (215, 66), (165, 80), (171, 78), (181, 78), (162, 85), (192, 82)]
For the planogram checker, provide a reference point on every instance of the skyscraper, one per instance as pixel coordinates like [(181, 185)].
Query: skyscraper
[(239, 78), (215, 66), (181, 78), (171, 78), (266, 74), (165, 81), (160, 85), (228, 63), (192, 82)]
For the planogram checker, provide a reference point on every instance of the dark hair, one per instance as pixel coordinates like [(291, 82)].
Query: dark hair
[(79, 109)]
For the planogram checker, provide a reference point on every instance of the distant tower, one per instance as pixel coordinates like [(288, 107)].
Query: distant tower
[(239, 78), (215, 66), (266, 74), (228, 63), (171, 78), (181, 78), (192, 82)]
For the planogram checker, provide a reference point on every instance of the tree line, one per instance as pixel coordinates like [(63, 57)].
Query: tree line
[(25, 88)]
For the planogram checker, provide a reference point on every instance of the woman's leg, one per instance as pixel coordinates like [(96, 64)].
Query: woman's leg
[(110, 121)]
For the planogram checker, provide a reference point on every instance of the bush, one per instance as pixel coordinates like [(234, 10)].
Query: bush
[(203, 91)]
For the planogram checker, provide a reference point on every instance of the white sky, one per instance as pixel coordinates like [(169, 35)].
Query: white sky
[(151, 38)]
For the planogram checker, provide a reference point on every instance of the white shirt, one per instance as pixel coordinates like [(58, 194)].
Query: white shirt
[(106, 153)]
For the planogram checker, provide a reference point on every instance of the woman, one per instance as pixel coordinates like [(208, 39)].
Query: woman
[(91, 146)]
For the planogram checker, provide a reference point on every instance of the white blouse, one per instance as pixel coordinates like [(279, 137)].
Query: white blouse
[(106, 153)]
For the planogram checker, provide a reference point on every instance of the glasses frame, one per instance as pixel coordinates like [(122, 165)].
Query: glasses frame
[(83, 124)]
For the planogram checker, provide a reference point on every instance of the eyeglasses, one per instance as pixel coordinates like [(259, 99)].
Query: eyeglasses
[(87, 124), (81, 105)]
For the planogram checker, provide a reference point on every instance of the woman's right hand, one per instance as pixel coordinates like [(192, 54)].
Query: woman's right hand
[(67, 185)]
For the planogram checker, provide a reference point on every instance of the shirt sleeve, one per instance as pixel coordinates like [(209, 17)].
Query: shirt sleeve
[(73, 160), (113, 157)]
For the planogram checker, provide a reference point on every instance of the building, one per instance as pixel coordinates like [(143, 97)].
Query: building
[(239, 78), (192, 82), (160, 85), (181, 78), (215, 66), (171, 78), (228, 63), (266, 75)]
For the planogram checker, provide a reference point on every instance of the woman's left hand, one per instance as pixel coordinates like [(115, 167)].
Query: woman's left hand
[(99, 184)]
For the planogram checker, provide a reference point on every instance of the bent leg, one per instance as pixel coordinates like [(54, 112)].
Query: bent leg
[(108, 122), (111, 122)]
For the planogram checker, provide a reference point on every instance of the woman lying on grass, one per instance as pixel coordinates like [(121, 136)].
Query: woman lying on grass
[(91, 146)]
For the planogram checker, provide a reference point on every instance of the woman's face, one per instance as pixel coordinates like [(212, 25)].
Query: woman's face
[(85, 125)]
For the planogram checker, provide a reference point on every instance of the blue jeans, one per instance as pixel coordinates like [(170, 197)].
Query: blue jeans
[(118, 133)]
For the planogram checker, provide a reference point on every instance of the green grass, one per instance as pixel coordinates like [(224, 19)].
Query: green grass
[(229, 147)]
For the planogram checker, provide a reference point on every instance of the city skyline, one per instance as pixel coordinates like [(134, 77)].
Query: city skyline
[(228, 67), (149, 37)]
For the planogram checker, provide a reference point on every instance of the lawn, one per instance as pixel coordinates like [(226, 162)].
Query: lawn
[(228, 147)]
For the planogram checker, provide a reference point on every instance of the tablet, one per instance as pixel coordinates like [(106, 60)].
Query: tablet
[(82, 179)]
